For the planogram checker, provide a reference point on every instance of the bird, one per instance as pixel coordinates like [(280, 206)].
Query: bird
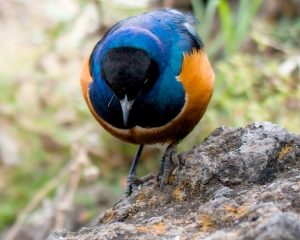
[(149, 81)]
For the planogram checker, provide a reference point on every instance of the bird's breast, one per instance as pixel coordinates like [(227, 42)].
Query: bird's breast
[(166, 114)]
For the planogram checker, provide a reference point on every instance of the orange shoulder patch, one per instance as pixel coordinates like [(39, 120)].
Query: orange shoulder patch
[(85, 78), (197, 77)]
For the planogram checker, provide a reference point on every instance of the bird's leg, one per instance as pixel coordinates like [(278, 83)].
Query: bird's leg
[(170, 155), (132, 180)]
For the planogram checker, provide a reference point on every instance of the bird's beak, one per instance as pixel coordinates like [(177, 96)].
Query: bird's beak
[(126, 106)]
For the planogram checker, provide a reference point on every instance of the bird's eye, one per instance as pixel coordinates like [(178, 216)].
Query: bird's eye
[(146, 81)]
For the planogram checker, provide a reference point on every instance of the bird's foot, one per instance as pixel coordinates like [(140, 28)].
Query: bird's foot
[(170, 156), (133, 184)]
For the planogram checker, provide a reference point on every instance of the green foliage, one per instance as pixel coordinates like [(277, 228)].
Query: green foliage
[(235, 24), (206, 15), (287, 32), (248, 90)]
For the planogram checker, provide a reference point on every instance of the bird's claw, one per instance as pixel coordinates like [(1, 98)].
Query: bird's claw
[(170, 156), (132, 185)]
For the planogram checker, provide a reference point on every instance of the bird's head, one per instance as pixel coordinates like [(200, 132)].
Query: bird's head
[(129, 72)]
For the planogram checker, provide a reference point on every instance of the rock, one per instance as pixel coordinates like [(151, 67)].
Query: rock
[(238, 184), (223, 192)]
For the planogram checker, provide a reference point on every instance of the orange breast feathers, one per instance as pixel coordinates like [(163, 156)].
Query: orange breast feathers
[(197, 78)]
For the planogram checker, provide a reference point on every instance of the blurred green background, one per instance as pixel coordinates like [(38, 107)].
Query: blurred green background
[(58, 167)]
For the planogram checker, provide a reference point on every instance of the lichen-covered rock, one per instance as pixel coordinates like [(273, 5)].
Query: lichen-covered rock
[(238, 184)]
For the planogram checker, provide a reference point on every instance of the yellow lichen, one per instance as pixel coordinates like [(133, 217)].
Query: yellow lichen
[(230, 208), (237, 211), (171, 179), (143, 228), (178, 194), (285, 150), (242, 211), (206, 223), (154, 229), (108, 216), (141, 197), (160, 228)]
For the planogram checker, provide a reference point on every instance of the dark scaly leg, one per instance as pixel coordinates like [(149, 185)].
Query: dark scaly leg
[(132, 181), (170, 155), (163, 172)]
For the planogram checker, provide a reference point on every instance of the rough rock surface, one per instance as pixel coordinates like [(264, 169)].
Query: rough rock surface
[(238, 184)]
